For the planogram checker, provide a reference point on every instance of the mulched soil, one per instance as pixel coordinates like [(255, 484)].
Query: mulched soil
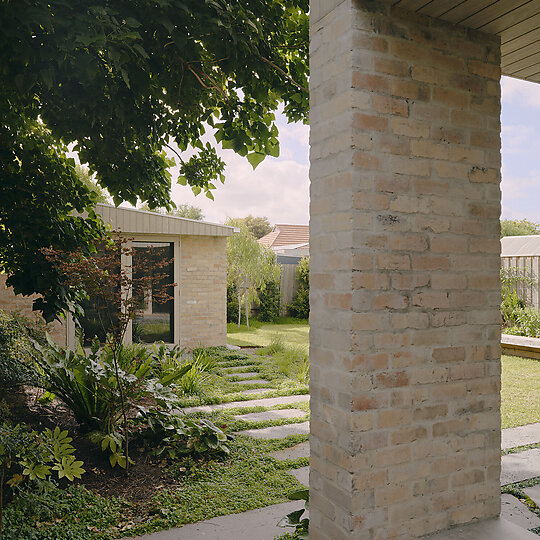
[(145, 478)]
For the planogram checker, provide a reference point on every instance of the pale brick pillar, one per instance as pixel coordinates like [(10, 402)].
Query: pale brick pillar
[(405, 204)]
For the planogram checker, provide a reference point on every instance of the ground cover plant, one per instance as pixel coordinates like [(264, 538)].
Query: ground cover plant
[(168, 487), (260, 334)]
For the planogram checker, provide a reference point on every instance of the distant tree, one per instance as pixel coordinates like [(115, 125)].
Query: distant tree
[(249, 266), (515, 227), (100, 194), (181, 210), (257, 226)]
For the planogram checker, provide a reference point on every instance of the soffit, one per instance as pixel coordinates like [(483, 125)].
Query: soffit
[(517, 22)]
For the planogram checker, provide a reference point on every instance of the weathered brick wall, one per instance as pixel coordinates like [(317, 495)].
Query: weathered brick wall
[(404, 237), (9, 302), (203, 290)]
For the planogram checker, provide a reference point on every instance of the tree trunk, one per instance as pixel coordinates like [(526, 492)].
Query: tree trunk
[(247, 315), (239, 308)]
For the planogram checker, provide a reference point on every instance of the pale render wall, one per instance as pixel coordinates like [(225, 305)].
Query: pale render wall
[(9, 301), (404, 238), (203, 290)]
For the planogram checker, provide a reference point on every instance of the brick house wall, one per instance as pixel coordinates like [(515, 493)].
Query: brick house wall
[(9, 302), (201, 295), (203, 290)]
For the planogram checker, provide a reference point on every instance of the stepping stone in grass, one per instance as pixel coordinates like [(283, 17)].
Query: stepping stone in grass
[(252, 381), (271, 415), (238, 369), (264, 402), (534, 494), (253, 391), (518, 513), (294, 452), (242, 375), (278, 432), (520, 466), (301, 474), (520, 436)]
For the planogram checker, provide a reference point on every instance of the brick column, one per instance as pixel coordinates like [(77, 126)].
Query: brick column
[(405, 324)]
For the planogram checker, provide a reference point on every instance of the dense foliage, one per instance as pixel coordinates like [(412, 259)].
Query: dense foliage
[(249, 266), (257, 226), (269, 301), (16, 349), (515, 227), (299, 307), (120, 81)]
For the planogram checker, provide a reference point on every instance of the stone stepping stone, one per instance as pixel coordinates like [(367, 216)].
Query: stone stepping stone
[(277, 432), (534, 494), (518, 513), (251, 381), (301, 474), (271, 415), (294, 452), (520, 466), (263, 402), (243, 375), (252, 391), (520, 436)]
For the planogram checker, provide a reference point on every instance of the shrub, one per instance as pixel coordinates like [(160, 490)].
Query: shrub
[(269, 301), (16, 349), (232, 303), (300, 305), (528, 322)]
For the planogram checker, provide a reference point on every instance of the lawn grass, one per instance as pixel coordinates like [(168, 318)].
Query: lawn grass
[(520, 391), (260, 334)]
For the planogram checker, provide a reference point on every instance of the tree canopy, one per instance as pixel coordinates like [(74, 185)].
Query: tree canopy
[(257, 226), (249, 266), (118, 82), (515, 227)]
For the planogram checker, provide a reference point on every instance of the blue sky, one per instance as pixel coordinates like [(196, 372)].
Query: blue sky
[(279, 187)]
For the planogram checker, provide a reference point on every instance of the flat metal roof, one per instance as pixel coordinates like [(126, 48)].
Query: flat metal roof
[(131, 220), (517, 22)]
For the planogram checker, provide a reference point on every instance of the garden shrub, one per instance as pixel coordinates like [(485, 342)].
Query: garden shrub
[(300, 305), (16, 349), (232, 303), (269, 302), (527, 323)]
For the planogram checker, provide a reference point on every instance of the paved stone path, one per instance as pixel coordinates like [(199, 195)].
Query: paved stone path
[(261, 524), (520, 436)]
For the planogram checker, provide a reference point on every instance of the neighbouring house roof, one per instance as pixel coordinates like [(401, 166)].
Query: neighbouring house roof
[(513, 246), (131, 220), (286, 235)]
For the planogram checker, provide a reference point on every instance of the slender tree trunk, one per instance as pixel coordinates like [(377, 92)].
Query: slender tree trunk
[(247, 314), (239, 308)]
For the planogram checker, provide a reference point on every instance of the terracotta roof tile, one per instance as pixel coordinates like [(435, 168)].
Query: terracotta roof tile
[(284, 235)]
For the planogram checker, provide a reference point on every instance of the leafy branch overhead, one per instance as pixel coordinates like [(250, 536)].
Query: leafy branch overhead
[(120, 81)]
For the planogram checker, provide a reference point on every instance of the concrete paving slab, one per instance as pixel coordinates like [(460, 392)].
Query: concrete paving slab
[(238, 369), (252, 381), (243, 375), (278, 432), (264, 402), (253, 391), (277, 414), (520, 466), (302, 475), (520, 436), (258, 524), (534, 494), (491, 529), (518, 513), (294, 452)]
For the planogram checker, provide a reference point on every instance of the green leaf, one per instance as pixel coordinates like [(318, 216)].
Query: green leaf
[(255, 158)]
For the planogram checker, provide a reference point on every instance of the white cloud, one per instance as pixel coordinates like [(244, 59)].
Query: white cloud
[(278, 188), (522, 92)]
